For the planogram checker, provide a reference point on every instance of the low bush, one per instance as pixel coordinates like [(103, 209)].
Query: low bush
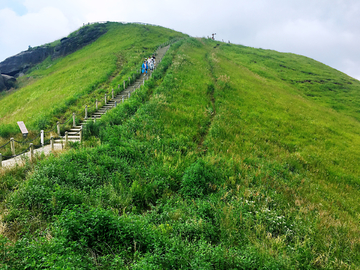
[(6, 130), (199, 179)]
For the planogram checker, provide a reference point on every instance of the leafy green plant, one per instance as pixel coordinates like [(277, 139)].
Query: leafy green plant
[(215, 163), (199, 180)]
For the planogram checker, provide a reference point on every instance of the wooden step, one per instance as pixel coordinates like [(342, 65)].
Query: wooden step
[(63, 141)]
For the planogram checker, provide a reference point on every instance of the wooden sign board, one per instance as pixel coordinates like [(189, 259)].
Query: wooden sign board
[(23, 128)]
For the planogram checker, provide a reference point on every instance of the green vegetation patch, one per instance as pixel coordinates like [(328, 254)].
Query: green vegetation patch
[(212, 164)]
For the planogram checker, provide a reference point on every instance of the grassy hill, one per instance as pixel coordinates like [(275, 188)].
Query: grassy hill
[(230, 157), (56, 88)]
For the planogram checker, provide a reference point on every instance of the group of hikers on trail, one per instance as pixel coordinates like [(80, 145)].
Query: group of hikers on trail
[(148, 64)]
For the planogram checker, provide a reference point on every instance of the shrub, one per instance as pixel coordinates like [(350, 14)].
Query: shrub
[(92, 227), (198, 179), (7, 130), (103, 232)]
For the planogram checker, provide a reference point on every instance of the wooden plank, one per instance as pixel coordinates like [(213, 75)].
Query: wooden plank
[(22, 127)]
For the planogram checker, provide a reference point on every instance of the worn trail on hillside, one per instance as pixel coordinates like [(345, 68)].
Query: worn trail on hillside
[(59, 144)]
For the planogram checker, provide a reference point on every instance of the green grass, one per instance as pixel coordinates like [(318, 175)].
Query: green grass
[(218, 162), (285, 140)]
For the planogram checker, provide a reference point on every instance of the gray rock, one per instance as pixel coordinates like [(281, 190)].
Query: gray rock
[(6, 82), (9, 81), (21, 62), (2, 83)]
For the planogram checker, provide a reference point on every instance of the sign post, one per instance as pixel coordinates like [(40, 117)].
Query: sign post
[(23, 128)]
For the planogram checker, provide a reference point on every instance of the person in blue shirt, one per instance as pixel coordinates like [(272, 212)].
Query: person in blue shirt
[(144, 67)]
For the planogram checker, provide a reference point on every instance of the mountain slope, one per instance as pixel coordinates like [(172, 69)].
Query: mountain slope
[(56, 84), (218, 162)]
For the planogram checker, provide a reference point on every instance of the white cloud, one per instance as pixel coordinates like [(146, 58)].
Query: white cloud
[(349, 66), (18, 32)]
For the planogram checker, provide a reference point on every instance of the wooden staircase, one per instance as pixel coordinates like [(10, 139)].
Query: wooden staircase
[(75, 133)]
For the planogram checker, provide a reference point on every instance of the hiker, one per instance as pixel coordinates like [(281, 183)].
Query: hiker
[(154, 61), (147, 65), (151, 64), (144, 67)]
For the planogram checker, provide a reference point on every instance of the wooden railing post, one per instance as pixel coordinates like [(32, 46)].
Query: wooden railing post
[(129, 80), (105, 99), (124, 84), (12, 145), (58, 128), (31, 152), (115, 104), (52, 143), (66, 138), (112, 93), (119, 86), (123, 99), (86, 115), (129, 95), (96, 104), (74, 122)]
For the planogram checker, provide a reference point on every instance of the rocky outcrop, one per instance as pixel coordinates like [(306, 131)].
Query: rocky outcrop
[(83, 37), (9, 80), (20, 63), (2, 84), (6, 82)]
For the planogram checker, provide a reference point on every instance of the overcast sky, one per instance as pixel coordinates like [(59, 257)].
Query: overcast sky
[(325, 30)]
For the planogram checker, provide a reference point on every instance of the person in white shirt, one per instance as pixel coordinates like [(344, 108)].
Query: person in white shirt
[(154, 60)]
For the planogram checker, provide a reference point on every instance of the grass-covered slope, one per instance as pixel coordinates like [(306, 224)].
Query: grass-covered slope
[(217, 163), (54, 85)]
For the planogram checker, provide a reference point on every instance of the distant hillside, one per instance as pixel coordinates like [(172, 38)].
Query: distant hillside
[(229, 157)]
